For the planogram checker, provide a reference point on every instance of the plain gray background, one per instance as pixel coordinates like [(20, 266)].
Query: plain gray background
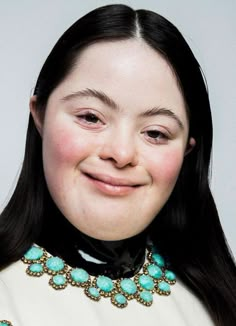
[(30, 28)]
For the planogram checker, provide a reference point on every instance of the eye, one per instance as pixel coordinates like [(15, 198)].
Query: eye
[(156, 136), (89, 117)]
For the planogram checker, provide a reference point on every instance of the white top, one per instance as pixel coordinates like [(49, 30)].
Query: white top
[(30, 301)]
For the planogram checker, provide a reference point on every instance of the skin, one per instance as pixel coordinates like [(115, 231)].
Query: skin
[(111, 170)]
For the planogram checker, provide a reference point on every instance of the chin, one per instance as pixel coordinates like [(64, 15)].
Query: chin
[(111, 235)]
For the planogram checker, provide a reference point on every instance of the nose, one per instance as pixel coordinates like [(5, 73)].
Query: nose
[(120, 149)]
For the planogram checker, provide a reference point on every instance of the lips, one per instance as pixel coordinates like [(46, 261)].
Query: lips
[(113, 181), (111, 186)]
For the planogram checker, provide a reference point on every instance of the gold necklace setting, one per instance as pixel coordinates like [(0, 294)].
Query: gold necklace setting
[(153, 278)]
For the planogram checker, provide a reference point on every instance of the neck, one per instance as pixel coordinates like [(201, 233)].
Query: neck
[(116, 259)]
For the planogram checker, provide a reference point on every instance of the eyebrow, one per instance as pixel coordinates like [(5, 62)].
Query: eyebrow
[(88, 92), (162, 111)]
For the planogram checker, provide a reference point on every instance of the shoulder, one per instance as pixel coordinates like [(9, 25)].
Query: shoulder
[(190, 306), (27, 300), (8, 310)]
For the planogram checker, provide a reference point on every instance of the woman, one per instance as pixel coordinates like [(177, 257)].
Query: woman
[(116, 165)]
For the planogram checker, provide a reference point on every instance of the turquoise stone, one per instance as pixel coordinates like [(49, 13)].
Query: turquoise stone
[(170, 275), (55, 264), (94, 292), (34, 253), (36, 268), (154, 271), (146, 282), (59, 279), (158, 259), (120, 298), (128, 286), (105, 283), (163, 286), (146, 296), (79, 275), (2, 323)]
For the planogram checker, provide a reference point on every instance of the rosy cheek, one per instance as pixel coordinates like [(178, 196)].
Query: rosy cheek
[(168, 166), (65, 147)]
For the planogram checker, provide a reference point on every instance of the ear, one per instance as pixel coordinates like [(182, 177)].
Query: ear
[(37, 117), (190, 145)]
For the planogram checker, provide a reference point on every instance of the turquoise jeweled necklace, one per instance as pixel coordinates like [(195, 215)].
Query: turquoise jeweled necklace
[(154, 278), (5, 323)]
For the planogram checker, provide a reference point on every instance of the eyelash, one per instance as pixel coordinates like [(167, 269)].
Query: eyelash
[(85, 117), (160, 137), (92, 120)]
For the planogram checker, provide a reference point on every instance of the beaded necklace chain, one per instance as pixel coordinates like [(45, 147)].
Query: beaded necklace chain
[(154, 278)]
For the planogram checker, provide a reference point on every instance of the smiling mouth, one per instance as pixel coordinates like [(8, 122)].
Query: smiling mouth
[(110, 185)]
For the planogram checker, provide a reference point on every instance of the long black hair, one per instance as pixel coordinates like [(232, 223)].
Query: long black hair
[(187, 229)]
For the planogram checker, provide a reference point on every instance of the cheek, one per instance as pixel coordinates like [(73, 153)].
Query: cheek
[(63, 147), (166, 169)]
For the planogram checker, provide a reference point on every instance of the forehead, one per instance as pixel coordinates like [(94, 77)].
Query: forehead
[(132, 60), (129, 71)]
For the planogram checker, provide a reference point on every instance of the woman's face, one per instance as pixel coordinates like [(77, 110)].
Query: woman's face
[(114, 137)]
